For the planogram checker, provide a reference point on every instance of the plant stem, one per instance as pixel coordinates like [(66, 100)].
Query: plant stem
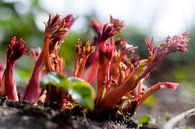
[(33, 90), (9, 83), (82, 67)]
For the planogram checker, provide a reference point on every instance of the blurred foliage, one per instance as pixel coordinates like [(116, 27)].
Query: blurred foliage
[(186, 77), (13, 23), (150, 101), (144, 119)]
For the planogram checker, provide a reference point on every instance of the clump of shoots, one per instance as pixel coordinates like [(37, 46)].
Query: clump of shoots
[(118, 71), (144, 67)]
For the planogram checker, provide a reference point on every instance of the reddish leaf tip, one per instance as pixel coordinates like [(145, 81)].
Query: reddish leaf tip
[(170, 85)]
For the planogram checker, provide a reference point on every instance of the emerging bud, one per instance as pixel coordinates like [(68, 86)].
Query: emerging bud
[(69, 20), (117, 24), (55, 32), (84, 50), (178, 42), (108, 31), (89, 48), (82, 54), (78, 47), (15, 51), (56, 29), (170, 45)]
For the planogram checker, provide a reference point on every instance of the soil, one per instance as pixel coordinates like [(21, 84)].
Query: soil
[(17, 115)]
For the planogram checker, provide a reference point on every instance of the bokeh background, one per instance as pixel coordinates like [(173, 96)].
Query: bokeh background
[(142, 18)]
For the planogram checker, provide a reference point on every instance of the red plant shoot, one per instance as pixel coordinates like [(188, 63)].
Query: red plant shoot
[(55, 32), (16, 49)]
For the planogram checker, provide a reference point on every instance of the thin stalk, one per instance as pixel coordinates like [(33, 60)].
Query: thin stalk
[(33, 90), (91, 72), (154, 88), (46, 52), (76, 66), (9, 83), (82, 67), (102, 79)]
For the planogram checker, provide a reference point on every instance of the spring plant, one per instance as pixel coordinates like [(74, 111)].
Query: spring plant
[(107, 72)]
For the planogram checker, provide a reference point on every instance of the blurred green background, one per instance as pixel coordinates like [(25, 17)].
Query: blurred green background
[(22, 18)]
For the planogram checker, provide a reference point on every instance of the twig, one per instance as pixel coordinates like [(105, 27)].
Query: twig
[(172, 122)]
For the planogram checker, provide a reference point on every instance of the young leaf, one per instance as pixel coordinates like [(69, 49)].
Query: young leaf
[(81, 91)]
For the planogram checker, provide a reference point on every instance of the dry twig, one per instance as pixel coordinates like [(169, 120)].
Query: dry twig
[(184, 115)]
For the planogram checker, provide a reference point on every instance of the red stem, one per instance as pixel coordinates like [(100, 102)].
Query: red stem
[(102, 79), (33, 90), (76, 66), (46, 52), (9, 82), (82, 67), (91, 73), (154, 88)]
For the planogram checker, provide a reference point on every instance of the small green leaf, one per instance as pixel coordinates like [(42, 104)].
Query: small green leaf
[(81, 91), (144, 119)]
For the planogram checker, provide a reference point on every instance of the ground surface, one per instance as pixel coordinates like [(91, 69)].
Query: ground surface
[(22, 116)]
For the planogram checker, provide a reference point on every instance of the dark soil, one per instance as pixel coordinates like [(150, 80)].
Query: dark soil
[(17, 115)]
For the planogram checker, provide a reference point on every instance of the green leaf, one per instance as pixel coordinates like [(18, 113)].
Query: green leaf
[(144, 119), (81, 91)]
